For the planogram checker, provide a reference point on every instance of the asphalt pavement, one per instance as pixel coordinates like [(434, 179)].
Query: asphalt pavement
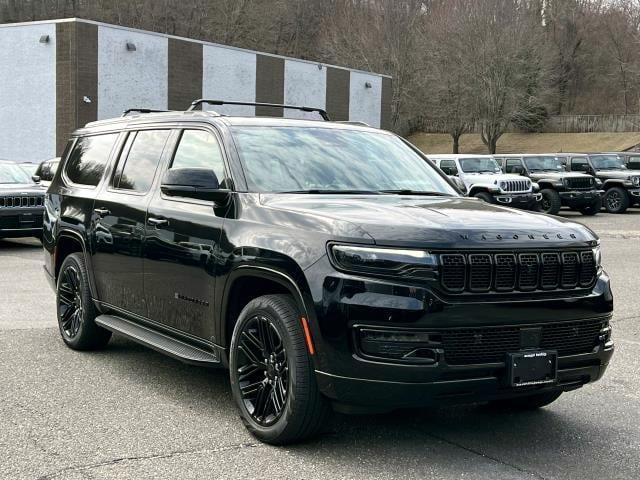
[(129, 412)]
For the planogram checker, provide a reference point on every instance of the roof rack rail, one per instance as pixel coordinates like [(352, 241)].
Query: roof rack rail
[(142, 110), (201, 101)]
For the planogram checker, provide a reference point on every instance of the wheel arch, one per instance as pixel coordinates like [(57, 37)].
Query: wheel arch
[(613, 182), (248, 282), (68, 242)]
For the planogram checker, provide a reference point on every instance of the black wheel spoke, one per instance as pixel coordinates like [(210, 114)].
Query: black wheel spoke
[(70, 311), (262, 370)]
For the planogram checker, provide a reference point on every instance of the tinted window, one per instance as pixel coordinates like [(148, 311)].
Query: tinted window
[(279, 159), (579, 164), (512, 162), (89, 158), (139, 160), (449, 167), (199, 149), (634, 163)]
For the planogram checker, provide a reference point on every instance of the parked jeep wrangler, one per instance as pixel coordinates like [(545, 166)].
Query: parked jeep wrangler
[(558, 187), (21, 203), (621, 185), (482, 178), (324, 264)]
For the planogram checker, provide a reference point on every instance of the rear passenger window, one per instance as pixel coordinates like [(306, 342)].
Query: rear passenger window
[(199, 149), (89, 158), (139, 159)]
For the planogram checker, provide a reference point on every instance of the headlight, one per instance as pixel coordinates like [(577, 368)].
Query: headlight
[(503, 185), (598, 181), (382, 261), (597, 256), (636, 181)]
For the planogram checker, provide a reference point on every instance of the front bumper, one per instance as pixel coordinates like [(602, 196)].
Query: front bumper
[(577, 198), (343, 304), (635, 193), (518, 200), (20, 222)]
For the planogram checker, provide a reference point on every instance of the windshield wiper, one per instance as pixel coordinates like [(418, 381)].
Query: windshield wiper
[(415, 192), (333, 192)]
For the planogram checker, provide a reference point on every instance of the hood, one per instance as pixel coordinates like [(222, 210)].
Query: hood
[(557, 175), (18, 188), (621, 174), (437, 222), (486, 178)]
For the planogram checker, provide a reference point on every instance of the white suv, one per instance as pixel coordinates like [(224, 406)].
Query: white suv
[(481, 177)]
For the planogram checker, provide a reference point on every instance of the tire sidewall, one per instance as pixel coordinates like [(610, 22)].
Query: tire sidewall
[(624, 200), (554, 200)]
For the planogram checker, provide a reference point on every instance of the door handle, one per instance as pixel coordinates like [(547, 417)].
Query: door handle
[(157, 222), (101, 212)]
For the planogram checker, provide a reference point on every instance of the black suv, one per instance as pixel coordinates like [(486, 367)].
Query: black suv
[(324, 264), (558, 187), (621, 185), (21, 203)]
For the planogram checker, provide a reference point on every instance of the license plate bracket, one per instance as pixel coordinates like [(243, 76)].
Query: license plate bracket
[(531, 368)]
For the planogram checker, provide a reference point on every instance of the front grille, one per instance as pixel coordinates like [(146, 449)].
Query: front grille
[(22, 201), (467, 346), (515, 185), (582, 183), (509, 272)]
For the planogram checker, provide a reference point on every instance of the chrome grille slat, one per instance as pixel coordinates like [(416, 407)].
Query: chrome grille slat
[(477, 272), (516, 185)]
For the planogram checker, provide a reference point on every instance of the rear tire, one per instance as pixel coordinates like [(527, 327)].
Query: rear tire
[(529, 402), (551, 202), (593, 208), (485, 196), (272, 375), (75, 309), (616, 200)]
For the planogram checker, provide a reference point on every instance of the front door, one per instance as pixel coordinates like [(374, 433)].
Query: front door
[(182, 243), (120, 212)]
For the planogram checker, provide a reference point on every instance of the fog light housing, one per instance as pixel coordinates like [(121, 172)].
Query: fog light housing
[(398, 346)]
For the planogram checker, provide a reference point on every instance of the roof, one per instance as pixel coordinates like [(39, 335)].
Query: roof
[(213, 117)]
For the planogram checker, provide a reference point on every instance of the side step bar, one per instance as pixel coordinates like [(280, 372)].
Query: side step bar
[(159, 341)]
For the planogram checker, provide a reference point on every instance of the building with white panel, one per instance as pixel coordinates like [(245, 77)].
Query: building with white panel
[(58, 75)]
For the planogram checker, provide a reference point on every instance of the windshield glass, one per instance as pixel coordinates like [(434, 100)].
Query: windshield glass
[(479, 164), (10, 173), (30, 168), (607, 162), (281, 159), (544, 163)]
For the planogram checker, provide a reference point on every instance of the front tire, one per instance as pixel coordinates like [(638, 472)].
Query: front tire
[(593, 208), (529, 402), (272, 374), (75, 308), (616, 200), (551, 202)]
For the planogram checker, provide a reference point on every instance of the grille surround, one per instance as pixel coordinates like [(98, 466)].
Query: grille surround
[(515, 185), (21, 201), (579, 183), (525, 271)]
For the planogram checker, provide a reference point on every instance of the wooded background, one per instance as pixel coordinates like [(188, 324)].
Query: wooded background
[(486, 65)]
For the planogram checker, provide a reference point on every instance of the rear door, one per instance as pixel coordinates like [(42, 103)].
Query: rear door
[(182, 242), (119, 221)]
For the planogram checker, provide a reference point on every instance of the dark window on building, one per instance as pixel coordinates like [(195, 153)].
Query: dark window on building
[(89, 158), (199, 149), (579, 164), (139, 160), (512, 162)]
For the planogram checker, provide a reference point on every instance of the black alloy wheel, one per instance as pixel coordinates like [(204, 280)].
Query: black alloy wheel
[(262, 370), (75, 309), (616, 200), (272, 374), (70, 306)]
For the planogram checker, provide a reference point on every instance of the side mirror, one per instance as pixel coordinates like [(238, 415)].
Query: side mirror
[(198, 183), (35, 178), (517, 169)]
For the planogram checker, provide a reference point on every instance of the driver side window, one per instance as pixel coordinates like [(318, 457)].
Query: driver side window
[(449, 167), (515, 162), (579, 164), (200, 149)]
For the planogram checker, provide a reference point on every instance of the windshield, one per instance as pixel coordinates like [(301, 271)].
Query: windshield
[(544, 163), (478, 165), (607, 162), (302, 159), (30, 168), (10, 173)]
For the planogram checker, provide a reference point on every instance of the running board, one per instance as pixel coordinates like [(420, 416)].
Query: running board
[(159, 341)]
